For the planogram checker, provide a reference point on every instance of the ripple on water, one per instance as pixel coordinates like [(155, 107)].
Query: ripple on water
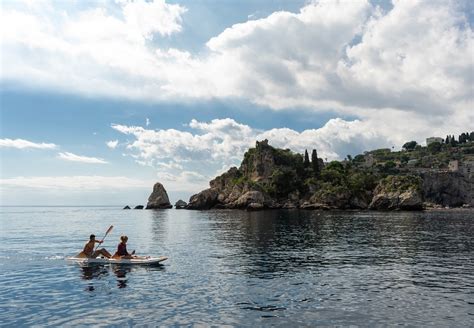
[(273, 268)]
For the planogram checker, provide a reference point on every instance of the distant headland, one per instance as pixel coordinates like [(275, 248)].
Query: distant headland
[(438, 175)]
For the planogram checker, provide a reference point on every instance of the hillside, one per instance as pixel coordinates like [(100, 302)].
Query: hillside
[(437, 175)]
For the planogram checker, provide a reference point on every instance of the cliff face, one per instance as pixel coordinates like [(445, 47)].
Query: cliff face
[(158, 198), (398, 193), (448, 188), (275, 178), (254, 184)]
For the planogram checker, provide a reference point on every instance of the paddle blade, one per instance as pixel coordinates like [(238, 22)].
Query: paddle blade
[(109, 230)]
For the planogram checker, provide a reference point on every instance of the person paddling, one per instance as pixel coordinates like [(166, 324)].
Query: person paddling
[(89, 251), (122, 249)]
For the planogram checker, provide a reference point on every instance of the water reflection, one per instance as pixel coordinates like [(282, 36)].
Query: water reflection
[(274, 243), (121, 274), (91, 272), (96, 272)]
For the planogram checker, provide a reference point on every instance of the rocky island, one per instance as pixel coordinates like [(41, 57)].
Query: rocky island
[(158, 198), (438, 175)]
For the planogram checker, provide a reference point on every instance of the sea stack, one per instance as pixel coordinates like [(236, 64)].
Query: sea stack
[(180, 204), (158, 198)]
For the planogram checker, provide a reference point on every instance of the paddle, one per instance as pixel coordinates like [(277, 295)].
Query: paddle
[(106, 233)]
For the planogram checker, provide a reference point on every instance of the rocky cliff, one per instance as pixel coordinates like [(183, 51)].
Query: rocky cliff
[(398, 193), (158, 198), (269, 177), (448, 188)]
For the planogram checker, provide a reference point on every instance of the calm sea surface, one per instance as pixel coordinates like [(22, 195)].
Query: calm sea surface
[(272, 268)]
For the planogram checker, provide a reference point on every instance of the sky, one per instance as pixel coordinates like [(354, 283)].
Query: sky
[(101, 99)]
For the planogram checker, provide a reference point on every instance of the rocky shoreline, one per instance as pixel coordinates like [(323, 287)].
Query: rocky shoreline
[(272, 178)]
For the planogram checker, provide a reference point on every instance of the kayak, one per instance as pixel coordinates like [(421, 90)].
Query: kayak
[(143, 260)]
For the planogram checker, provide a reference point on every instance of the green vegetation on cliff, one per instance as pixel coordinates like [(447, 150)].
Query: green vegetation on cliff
[(378, 179)]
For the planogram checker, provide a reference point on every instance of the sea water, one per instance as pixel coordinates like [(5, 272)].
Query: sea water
[(227, 267)]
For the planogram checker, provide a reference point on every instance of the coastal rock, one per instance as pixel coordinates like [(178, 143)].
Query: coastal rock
[(384, 201), (307, 206), (410, 200), (429, 205), (180, 204), (259, 163), (289, 205), (139, 207), (358, 202), (126, 207), (448, 188), (255, 207), (250, 197), (158, 198), (274, 178), (204, 200), (398, 193), (335, 199)]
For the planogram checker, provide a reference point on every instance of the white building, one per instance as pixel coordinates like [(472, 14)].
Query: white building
[(453, 166), (430, 140), (412, 162), (467, 167)]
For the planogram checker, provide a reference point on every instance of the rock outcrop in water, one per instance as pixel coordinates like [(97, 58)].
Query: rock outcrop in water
[(269, 177), (158, 198), (451, 189), (398, 193), (180, 204)]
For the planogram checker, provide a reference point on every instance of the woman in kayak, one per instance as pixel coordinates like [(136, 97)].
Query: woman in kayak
[(122, 249), (89, 252)]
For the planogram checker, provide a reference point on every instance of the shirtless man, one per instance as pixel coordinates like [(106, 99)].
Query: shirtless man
[(89, 252)]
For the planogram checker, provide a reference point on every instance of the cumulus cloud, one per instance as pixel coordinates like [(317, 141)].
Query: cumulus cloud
[(109, 45), (82, 159), (187, 160), (112, 144), (23, 144), (411, 64)]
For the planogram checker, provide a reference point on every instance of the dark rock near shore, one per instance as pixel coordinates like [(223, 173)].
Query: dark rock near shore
[(448, 188), (180, 204), (126, 207), (398, 193), (205, 200), (158, 198), (139, 207)]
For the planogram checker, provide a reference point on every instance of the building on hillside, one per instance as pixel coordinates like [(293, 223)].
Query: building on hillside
[(453, 166), (467, 166), (431, 140), (369, 160), (412, 162)]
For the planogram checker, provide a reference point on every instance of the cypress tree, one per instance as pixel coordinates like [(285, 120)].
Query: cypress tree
[(306, 158), (453, 141), (315, 162)]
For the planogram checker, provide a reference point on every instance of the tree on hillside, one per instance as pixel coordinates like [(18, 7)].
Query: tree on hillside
[(315, 163), (410, 145), (453, 141), (471, 136), (306, 158), (447, 140), (434, 147)]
